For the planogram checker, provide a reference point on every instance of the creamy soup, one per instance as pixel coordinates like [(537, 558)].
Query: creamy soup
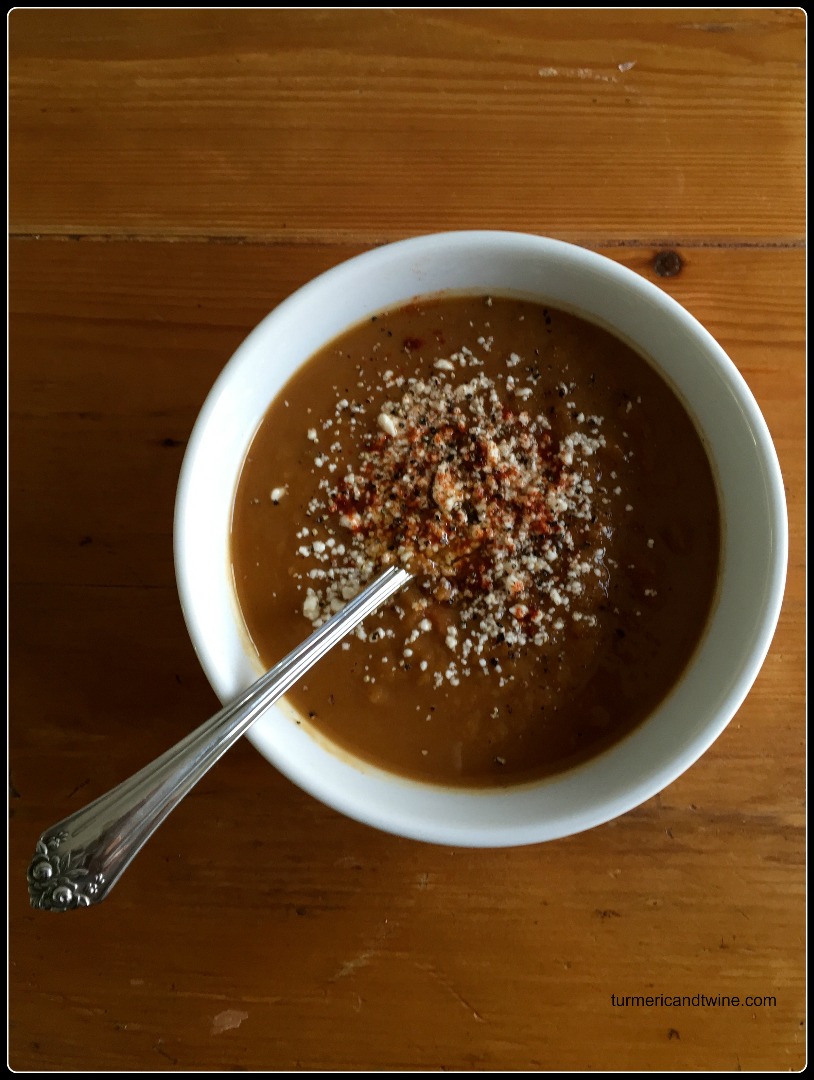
[(552, 498)]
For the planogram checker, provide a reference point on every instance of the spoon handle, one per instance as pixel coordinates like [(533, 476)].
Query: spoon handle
[(79, 860)]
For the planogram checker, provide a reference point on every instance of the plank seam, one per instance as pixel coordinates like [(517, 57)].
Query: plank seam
[(768, 243)]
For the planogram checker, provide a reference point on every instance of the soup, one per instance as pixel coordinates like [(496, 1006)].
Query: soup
[(551, 496)]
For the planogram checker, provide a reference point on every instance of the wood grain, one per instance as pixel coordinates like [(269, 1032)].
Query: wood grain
[(371, 125), (325, 944), (175, 174)]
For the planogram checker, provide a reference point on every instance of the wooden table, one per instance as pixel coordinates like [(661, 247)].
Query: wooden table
[(174, 175)]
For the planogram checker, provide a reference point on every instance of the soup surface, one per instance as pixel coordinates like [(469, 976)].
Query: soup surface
[(554, 501)]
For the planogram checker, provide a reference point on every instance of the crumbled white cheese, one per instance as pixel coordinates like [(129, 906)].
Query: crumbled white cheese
[(387, 424)]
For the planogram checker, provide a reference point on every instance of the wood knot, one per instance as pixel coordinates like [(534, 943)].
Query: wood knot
[(668, 263)]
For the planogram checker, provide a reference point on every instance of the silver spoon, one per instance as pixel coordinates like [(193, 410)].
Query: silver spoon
[(79, 860)]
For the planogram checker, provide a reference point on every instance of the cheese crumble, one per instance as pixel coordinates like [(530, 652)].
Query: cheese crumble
[(463, 483)]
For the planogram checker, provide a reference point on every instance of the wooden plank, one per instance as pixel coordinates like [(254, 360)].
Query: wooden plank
[(330, 946), (117, 344), (362, 126), (260, 930)]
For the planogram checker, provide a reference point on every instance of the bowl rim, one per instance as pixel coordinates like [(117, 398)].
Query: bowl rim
[(463, 833)]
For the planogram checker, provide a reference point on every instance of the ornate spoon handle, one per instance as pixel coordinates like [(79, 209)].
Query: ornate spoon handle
[(80, 859)]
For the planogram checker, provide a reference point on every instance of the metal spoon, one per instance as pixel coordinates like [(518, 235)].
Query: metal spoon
[(79, 860)]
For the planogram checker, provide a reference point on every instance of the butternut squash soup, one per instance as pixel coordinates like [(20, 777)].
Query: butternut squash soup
[(551, 496)]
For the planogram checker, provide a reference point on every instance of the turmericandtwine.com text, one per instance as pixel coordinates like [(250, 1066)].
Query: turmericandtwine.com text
[(697, 1000)]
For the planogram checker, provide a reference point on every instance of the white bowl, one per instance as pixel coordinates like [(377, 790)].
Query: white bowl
[(750, 489)]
